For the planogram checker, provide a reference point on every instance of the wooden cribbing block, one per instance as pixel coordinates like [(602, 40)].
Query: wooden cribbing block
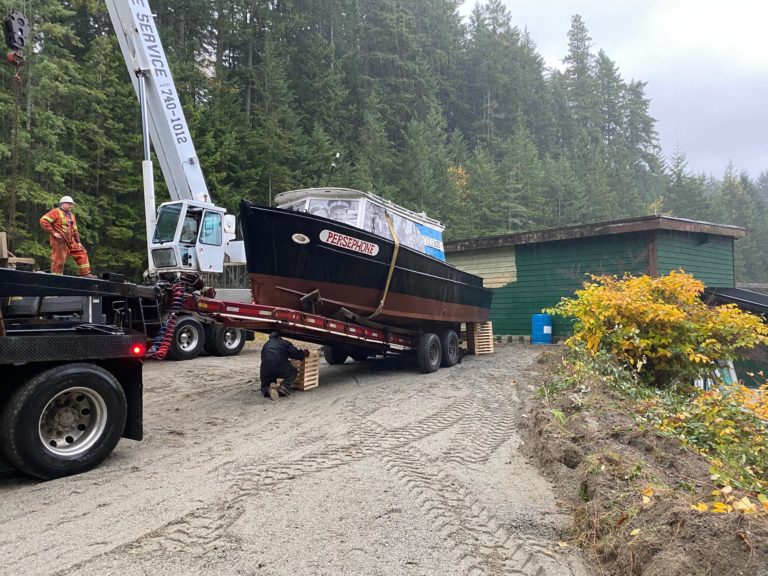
[(309, 371), (480, 338)]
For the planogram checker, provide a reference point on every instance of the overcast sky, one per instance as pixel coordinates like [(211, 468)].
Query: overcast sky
[(705, 62)]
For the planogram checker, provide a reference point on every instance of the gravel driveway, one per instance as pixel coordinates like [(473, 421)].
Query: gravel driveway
[(380, 470)]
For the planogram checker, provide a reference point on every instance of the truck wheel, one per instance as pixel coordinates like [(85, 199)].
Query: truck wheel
[(188, 340), (335, 355), (63, 421), (429, 353), (223, 340), (449, 342)]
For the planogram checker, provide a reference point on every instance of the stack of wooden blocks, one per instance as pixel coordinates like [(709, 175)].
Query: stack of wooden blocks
[(480, 338), (309, 371)]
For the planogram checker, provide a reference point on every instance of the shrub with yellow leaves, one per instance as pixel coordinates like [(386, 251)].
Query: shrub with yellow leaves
[(659, 327), (726, 424)]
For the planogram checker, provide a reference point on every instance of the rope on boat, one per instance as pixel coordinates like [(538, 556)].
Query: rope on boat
[(391, 226)]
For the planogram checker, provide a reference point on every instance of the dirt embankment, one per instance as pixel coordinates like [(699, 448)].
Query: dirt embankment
[(630, 490), (381, 470)]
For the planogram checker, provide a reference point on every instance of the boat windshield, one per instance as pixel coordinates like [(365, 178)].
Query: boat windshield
[(167, 220), (299, 206), (408, 232), (344, 211)]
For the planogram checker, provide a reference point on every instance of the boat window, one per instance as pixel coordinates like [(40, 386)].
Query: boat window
[(408, 233), (211, 233), (344, 211), (318, 208), (375, 221), (299, 206)]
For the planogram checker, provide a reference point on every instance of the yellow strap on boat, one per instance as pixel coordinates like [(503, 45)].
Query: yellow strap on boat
[(391, 226)]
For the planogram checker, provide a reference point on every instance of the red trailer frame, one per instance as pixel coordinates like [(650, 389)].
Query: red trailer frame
[(302, 325)]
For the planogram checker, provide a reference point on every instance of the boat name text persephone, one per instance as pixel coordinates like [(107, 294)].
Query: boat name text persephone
[(349, 242)]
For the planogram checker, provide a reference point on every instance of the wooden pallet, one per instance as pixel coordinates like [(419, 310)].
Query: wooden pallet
[(480, 338), (309, 371)]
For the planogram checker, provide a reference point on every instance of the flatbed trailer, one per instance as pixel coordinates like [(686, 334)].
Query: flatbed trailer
[(349, 335), (71, 386)]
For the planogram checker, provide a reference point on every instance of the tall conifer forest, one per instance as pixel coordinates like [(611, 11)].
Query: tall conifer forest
[(458, 117)]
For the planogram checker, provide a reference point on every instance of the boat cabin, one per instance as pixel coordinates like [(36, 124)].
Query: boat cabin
[(366, 210)]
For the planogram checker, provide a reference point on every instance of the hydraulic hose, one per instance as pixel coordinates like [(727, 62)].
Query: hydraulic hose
[(162, 342)]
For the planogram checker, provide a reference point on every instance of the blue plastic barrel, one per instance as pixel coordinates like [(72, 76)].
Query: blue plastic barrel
[(541, 329)]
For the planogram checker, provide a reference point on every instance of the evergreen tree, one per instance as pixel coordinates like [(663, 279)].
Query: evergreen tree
[(522, 173), (424, 169), (582, 86), (683, 196), (486, 196)]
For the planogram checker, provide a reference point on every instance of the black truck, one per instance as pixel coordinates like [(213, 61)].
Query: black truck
[(71, 357)]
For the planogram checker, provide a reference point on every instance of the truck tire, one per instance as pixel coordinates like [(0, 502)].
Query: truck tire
[(63, 421), (449, 343), (429, 353), (223, 340), (335, 354), (188, 339)]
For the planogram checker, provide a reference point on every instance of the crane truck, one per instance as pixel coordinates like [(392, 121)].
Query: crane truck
[(188, 234), (72, 349)]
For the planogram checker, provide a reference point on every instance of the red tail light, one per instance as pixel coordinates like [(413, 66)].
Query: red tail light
[(138, 350)]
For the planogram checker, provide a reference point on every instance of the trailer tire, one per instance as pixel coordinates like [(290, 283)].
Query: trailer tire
[(223, 340), (429, 353), (63, 421), (449, 342), (335, 355), (188, 339)]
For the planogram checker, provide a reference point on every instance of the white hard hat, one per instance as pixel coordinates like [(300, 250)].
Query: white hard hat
[(67, 199)]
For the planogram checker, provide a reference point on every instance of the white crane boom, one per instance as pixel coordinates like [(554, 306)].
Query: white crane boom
[(189, 233), (143, 53)]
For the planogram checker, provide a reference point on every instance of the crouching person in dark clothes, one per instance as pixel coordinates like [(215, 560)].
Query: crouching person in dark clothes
[(274, 364)]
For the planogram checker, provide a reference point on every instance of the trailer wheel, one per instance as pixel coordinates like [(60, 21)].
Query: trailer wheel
[(449, 342), (223, 340), (429, 353), (188, 340), (335, 354), (63, 421)]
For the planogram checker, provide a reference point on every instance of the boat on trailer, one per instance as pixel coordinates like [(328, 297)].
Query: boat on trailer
[(348, 254)]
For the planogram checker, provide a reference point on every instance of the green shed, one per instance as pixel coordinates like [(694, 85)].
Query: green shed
[(531, 271)]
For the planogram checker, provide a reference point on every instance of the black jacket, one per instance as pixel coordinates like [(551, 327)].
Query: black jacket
[(276, 352)]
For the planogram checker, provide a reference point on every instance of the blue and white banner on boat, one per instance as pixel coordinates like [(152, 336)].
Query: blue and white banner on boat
[(433, 241)]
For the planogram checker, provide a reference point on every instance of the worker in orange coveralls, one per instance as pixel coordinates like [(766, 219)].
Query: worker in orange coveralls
[(61, 225)]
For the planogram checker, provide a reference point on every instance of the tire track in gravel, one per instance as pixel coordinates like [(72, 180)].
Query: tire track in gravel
[(489, 424), (206, 528), (478, 538), (485, 419)]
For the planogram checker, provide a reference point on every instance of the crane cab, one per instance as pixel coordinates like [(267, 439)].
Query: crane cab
[(193, 236)]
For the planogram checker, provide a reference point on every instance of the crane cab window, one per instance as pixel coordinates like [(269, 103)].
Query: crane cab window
[(190, 227), (211, 233), (167, 220)]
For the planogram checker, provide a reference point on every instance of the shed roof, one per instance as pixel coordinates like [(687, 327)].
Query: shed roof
[(642, 224)]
